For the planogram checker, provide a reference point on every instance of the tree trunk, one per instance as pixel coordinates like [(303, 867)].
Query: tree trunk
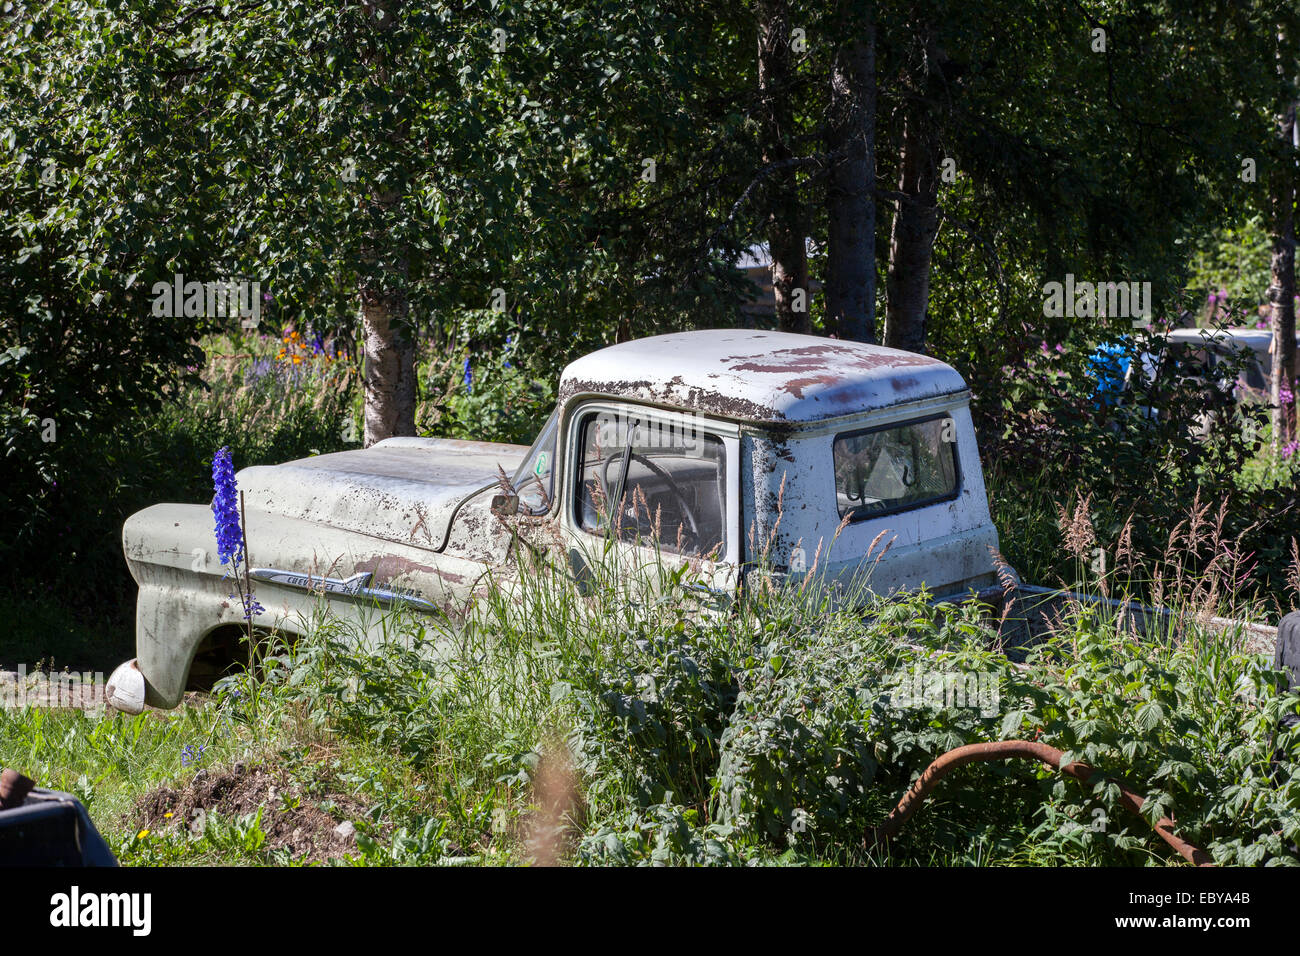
[(390, 368), (1282, 290), (387, 338), (851, 187), (785, 227), (916, 223)]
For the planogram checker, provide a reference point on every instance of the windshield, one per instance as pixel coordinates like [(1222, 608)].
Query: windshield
[(534, 482), (669, 479)]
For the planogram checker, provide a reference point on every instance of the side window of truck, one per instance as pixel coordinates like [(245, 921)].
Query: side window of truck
[(880, 471), (669, 482)]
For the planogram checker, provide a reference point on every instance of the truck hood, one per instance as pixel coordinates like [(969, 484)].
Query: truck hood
[(399, 489)]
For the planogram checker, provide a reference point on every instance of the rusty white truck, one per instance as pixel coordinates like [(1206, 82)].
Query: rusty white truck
[(723, 448)]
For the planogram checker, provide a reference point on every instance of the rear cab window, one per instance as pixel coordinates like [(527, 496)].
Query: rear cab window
[(896, 467)]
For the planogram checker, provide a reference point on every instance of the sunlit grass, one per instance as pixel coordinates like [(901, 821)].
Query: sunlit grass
[(618, 720)]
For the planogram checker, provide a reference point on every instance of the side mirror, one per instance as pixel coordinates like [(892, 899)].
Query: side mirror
[(505, 505)]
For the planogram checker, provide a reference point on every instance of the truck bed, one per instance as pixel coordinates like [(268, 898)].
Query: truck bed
[(1028, 613)]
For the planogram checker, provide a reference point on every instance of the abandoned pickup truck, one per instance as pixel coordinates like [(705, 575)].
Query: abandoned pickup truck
[(714, 445)]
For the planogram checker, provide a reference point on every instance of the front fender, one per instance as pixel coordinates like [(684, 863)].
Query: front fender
[(169, 628), (186, 593)]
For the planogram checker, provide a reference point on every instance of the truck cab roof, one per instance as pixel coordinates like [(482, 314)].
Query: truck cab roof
[(765, 377)]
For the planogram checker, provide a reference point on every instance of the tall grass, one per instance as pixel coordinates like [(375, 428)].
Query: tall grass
[(621, 718)]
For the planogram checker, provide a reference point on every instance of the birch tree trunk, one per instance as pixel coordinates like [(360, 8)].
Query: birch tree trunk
[(851, 186), (387, 336), (1282, 291), (390, 368)]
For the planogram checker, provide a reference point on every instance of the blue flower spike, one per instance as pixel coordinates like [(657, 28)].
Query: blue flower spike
[(225, 509)]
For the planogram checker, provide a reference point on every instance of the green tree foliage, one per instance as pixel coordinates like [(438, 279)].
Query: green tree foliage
[(99, 197), (564, 174)]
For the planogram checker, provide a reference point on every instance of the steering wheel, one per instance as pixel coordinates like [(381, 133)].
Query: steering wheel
[(687, 511)]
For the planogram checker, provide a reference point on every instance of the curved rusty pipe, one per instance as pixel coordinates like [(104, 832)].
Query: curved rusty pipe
[(1029, 750)]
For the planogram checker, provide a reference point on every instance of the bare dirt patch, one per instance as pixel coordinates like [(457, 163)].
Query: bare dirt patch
[(291, 819)]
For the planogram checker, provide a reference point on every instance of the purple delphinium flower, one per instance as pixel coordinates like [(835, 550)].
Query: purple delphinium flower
[(258, 370), (225, 508), (469, 376), (192, 754), (508, 351)]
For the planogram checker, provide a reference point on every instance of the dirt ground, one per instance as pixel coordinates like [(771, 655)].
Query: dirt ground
[(291, 819)]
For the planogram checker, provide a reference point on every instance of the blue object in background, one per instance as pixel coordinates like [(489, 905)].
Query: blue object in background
[(1109, 366)]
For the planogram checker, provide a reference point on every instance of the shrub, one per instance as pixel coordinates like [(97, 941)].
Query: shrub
[(264, 409), (663, 700), (1141, 462)]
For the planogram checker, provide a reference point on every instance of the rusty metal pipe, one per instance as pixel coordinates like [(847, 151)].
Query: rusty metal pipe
[(1028, 750)]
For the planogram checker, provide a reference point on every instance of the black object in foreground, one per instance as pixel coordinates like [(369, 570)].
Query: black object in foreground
[(46, 827)]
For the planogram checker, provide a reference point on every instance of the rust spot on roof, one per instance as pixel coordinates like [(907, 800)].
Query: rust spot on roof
[(795, 386), (832, 361), (808, 358)]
